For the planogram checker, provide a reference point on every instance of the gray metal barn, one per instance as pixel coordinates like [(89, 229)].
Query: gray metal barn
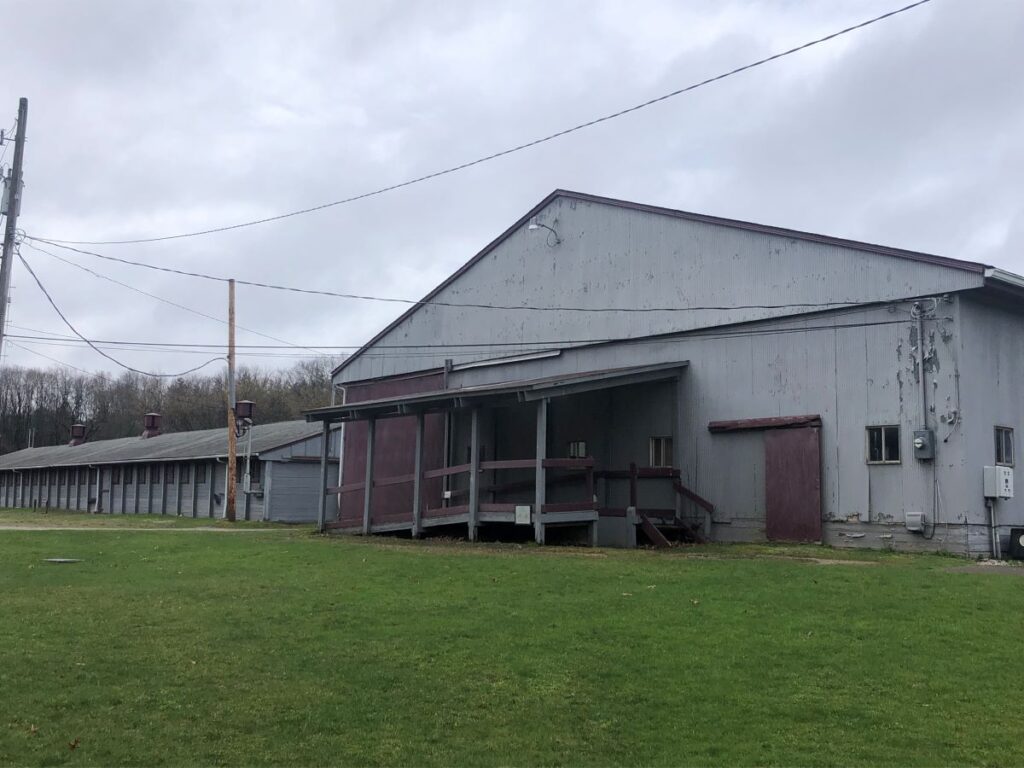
[(181, 473), (623, 370)]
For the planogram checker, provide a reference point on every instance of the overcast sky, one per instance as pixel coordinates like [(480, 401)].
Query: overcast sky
[(150, 118)]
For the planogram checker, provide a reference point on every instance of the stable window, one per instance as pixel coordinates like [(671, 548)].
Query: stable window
[(115, 475), (884, 445), (200, 474), (185, 473), (81, 476), (1004, 446), (129, 475), (169, 474), (577, 449), (154, 473), (661, 452)]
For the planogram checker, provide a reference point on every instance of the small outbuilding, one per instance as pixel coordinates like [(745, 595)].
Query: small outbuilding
[(181, 473)]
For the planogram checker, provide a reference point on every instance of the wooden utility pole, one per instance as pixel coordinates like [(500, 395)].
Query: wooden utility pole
[(13, 206), (229, 510)]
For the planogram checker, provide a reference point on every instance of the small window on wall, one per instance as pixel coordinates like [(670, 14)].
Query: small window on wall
[(200, 474), (186, 472), (1004, 446), (661, 452), (577, 449), (169, 474), (129, 475), (154, 473), (115, 475), (884, 445)]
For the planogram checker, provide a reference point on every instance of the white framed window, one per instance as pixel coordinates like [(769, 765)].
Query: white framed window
[(577, 449), (884, 444), (661, 451), (1004, 446)]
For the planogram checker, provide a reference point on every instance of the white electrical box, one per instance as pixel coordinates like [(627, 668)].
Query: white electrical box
[(915, 522), (998, 482), (523, 514)]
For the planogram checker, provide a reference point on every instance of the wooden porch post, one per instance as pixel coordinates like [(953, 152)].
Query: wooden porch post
[(325, 452), (474, 472), (541, 474), (371, 431), (417, 482)]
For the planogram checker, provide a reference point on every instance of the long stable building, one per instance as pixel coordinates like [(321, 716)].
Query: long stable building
[(181, 473), (621, 370)]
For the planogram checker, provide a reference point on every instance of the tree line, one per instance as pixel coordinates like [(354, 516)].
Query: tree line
[(39, 406)]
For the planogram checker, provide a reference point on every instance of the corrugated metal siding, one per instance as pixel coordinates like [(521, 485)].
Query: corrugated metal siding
[(294, 492), (615, 257), (852, 378), (992, 393)]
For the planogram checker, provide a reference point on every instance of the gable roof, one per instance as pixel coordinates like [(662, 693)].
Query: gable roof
[(928, 258), (173, 446)]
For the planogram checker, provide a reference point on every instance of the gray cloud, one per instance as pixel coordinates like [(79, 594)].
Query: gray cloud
[(156, 117)]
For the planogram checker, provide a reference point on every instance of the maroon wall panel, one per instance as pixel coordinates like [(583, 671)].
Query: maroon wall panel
[(395, 451), (792, 459)]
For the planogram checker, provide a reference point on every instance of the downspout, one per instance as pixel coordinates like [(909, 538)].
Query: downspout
[(341, 442), (993, 530), (919, 311)]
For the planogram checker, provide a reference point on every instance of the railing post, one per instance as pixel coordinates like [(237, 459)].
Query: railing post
[(371, 431), (541, 475), (633, 494), (325, 452), (474, 472), (417, 483)]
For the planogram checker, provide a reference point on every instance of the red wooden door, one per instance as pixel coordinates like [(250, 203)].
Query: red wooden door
[(792, 471)]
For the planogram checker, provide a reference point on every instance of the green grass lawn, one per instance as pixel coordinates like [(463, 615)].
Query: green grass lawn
[(66, 519), (287, 648)]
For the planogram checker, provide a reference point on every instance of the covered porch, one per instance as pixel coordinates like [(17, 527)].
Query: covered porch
[(587, 455)]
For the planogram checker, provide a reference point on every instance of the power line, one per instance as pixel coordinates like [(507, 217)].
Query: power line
[(475, 349), (510, 150), (421, 303), (61, 362), (194, 311), (93, 346)]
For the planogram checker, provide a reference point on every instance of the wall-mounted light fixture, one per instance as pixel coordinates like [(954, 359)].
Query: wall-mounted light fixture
[(535, 225)]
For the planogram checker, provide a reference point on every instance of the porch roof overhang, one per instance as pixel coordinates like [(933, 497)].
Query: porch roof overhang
[(509, 392)]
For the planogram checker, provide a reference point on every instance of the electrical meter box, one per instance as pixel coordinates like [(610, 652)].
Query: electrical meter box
[(924, 444), (998, 482)]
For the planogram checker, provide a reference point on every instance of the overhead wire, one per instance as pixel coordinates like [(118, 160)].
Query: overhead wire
[(95, 348), (510, 150), (476, 349), (194, 311), (427, 302)]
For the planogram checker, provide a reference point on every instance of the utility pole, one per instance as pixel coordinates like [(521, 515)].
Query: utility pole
[(13, 205), (229, 510)]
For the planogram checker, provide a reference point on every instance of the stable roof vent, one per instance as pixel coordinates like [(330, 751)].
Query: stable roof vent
[(152, 425), (77, 434)]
